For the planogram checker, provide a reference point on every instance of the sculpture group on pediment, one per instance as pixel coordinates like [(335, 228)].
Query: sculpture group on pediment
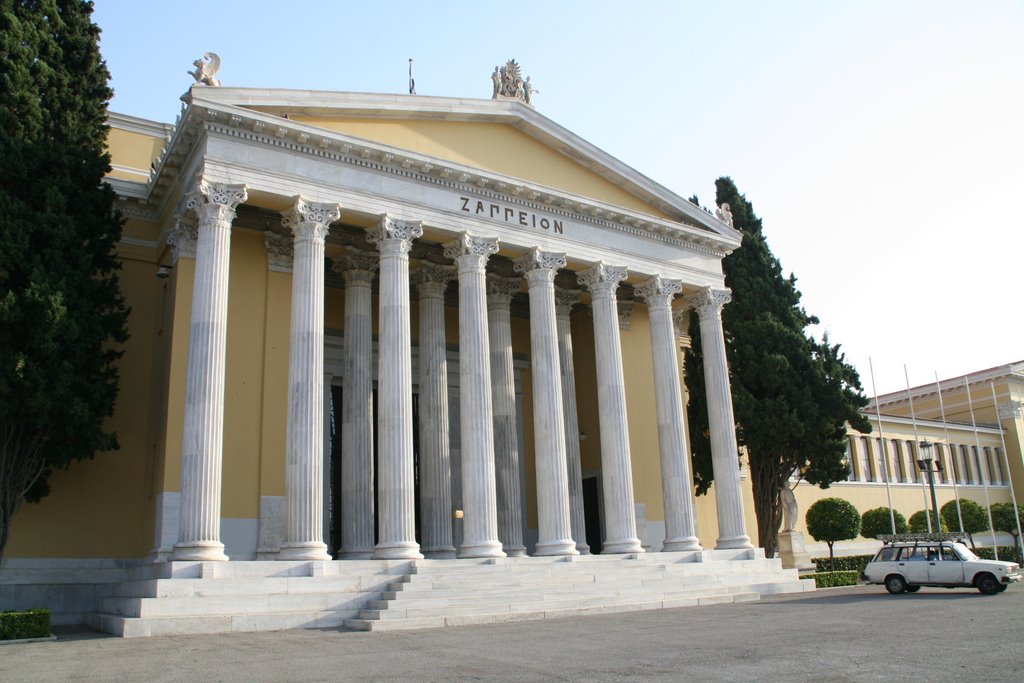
[(509, 84)]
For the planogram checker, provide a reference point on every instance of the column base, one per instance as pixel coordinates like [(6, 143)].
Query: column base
[(549, 548), (304, 551), (676, 545), (201, 551), (444, 552), (408, 550), (583, 548), (626, 545), (355, 554), (514, 550), (484, 549), (731, 542)]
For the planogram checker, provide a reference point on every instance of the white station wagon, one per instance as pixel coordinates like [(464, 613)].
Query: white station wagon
[(909, 561)]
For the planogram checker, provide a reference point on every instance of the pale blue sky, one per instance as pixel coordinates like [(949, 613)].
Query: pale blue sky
[(880, 142)]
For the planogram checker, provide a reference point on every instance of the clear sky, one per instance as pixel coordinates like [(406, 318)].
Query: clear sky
[(881, 142)]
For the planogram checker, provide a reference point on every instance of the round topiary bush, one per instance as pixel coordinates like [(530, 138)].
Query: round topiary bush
[(919, 522), (876, 522), (831, 520)]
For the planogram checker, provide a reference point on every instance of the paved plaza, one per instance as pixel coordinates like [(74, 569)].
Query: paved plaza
[(848, 634)]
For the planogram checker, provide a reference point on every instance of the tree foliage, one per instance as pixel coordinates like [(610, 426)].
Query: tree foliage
[(876, 522), (831, 520), (61, 311), (920, 520), (974, 516), (792, 395), (1004, 519)]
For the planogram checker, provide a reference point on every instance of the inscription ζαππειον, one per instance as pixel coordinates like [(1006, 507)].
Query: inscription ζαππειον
[(512, 215)]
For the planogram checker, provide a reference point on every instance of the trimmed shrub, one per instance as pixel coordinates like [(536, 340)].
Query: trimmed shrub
[(34, 623), (919, 522), (853, 563), (1007, 553), (833, 579), (876, 521)]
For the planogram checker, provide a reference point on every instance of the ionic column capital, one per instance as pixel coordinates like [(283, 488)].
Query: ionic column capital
[(280, 250), (658, 292), (393, 236), (310, 221), (602, 280), (708, 301), (431, 279)]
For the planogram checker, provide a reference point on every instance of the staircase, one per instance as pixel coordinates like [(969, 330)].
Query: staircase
[(213, 597)]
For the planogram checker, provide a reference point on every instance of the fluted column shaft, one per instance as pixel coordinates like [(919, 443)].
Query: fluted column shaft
[(555, 532), (304, 475), (203, 438), (503, 396), (564, 300), (708, 303), (435, 463), (395, 483), (480, 526), (616, 468), (676, 480), (357, 500)]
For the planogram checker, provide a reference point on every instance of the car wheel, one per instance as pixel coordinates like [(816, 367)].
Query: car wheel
[(987, 584), (913, 589), (1003, 586), (895, 584)]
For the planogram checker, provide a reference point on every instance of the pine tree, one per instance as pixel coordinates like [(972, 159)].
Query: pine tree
[(792, 395), (61, 311)]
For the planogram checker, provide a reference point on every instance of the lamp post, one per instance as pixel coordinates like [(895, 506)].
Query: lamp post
[(926, 462)]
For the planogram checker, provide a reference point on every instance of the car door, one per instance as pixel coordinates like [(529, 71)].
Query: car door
[(948, 569), (913, 564)]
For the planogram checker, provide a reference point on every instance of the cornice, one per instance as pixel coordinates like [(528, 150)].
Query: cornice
[(263, 129), (1012, 373), (135, 124)]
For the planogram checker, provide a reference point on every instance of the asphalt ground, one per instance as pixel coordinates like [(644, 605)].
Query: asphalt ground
[(857, 633)]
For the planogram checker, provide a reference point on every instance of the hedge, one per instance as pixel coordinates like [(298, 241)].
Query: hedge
[(34, 623), (853, 563), (832, 579), (1007, 553)]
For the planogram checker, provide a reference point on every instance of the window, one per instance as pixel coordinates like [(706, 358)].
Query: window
[(899, 474), (977, 465), (998, 457), (883, 466), (849, 459), (864, 460), (913, 456), (993, 475), (966, 464)]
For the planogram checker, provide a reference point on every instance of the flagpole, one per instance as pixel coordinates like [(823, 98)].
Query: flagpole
[(1006, 458), (917, 446), (978, 451), (885, 456), (952, 456)]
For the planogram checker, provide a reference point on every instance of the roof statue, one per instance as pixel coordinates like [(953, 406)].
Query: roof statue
[(206, 71), (724, 214), (509, 84)]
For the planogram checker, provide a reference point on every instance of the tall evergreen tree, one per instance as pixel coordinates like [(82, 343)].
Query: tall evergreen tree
[(61, 311), (792, 395)]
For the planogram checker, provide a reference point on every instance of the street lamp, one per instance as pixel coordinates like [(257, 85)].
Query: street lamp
[(925, 463)]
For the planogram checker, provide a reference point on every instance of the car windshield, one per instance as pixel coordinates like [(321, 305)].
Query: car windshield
[(965, 552)]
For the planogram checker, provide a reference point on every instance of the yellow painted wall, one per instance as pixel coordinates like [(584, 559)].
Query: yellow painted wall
[(493, 147), (104, 507), (273, 426), (132, 153)]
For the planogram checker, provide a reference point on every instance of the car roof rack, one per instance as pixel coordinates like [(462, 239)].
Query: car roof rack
[(904, 538)]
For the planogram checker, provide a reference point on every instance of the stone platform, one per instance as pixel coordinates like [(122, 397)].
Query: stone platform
[(210, 597)]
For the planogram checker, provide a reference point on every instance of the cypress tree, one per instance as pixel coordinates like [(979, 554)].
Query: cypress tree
[(792, 395), (62, 315)]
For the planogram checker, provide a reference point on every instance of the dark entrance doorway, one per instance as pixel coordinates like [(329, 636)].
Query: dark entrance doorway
[(592, 513)]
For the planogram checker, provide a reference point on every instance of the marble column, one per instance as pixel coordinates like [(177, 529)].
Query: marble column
[(304, 475), (555, 530), (357, 499), (616, 468), (203, 437), (676, 480), (396, 521), (435, 466), (500, 291), (708, 303), (480, 524), (565, 299)]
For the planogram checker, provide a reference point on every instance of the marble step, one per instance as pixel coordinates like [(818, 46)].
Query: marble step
[(234, 604), (132, 627), (532, 615), (166, 588)]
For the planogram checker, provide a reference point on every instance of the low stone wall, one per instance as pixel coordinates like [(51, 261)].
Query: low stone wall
[(69, 588)]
